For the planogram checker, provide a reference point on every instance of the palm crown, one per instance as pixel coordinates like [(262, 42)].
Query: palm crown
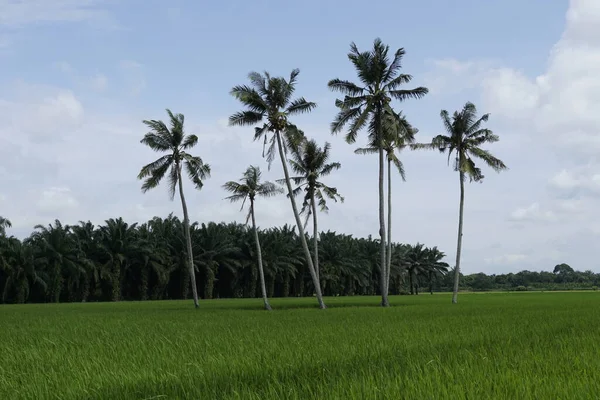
[(399, 135), (250, 187), (365, 103), (173, 140), (310, 163), (465, 136), (269, 100)]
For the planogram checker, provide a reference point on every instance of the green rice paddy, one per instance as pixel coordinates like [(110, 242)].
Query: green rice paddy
[(491, 346)]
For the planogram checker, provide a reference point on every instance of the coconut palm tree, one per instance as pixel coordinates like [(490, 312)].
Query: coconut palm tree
[(269, 101), (249, 188), (400, 136), (174, 141), (463, 139), (365, 105), (310, 163)]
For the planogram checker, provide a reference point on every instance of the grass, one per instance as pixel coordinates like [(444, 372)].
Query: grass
[(493, 346)]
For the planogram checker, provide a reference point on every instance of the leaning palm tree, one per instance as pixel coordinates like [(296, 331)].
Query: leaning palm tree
[(248, 188), (310, 163), (464, 138), (365, 105), (174, 141), (269, 100), (399, 136)]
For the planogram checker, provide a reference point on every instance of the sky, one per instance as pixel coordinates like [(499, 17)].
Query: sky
[(77, 77)]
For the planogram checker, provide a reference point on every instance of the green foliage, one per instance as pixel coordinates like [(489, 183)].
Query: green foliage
[(121, 261), (506, 346), (175, 142)]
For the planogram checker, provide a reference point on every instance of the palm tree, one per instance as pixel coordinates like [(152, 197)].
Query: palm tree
[(310, 162), (269, 100), (175, 141), (365, 105), (435, 266), (4, 223), (464, 138), (402, 134), (248, 188)]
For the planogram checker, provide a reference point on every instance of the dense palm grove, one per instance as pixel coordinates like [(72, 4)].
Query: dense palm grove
[(121, 261)]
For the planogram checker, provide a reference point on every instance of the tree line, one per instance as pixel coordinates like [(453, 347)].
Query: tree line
[(121, 261), (269, 106)]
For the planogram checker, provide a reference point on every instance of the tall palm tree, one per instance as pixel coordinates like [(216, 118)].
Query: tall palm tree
[(365, 105), (248, 188), (463, 139), (399, 136), (310, 162), (269, 100), (174, 141)]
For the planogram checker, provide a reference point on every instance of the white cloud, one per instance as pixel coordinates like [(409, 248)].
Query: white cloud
[(555, 115), (506, 259), (533, 212), (22, 12), (56, 200)]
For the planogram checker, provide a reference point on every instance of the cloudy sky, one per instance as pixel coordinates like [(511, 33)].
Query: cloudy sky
[(78, 76)]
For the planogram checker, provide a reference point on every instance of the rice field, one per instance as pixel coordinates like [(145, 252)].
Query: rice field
[(491, 346)]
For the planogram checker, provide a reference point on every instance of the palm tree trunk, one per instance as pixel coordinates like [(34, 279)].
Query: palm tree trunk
[(410, 282), (459, 241), (316, 237), (430, 282), (389, 233), (188, 238), (311, 267), (383, 273), (263, 287)]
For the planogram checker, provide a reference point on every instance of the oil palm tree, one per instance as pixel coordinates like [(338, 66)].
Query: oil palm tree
[(399, 136), (174, 141), (435, 266), (249, 188), (310, 163), (4, 223), (365, 105), (464, 136), (268, 100)]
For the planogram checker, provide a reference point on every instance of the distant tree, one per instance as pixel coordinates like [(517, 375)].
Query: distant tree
[(464, 138), (4, 223), (562, 269), (248, 188), (367, 104), (174, 141), (269, 100)]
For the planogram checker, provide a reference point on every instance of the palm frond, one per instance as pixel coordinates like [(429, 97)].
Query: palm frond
[(405, 94), (156, 142), (189, 142), (242, 118), (300, 106), (346, 87), (154, 172), (196, 169)]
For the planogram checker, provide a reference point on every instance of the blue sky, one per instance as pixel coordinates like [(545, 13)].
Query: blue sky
[(78, 76)]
